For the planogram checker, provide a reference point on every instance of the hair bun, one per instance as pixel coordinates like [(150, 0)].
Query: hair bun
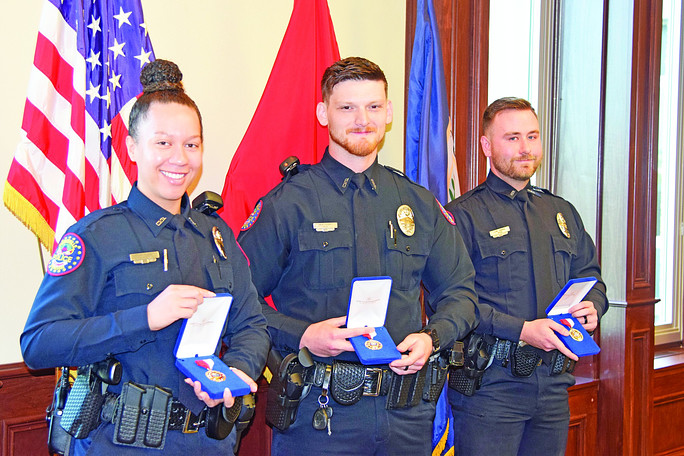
[(161, 75)]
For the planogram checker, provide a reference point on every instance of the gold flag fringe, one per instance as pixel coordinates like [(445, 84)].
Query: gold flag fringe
[(28, 215)]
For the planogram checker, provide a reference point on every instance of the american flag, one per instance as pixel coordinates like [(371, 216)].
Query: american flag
[(72, 157)]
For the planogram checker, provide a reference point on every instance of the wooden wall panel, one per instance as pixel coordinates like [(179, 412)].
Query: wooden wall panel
[(583, 419), (668, 410), (24, 398)]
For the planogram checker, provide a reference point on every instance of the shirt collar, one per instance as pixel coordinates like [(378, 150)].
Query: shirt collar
[(154, 216), (341, 175), (498, 185)]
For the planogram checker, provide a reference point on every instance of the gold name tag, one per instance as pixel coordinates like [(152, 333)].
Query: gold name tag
[(324, 227), (144, 257), (497, 233)]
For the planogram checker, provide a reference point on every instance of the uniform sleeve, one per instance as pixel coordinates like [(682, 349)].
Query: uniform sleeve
[(585, 264), (65, 326), (246, 335), (267, 245), (449, 280), (492, 321)]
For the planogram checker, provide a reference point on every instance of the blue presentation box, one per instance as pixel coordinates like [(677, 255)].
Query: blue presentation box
[(196, 344), (368, 301), (579, 341)]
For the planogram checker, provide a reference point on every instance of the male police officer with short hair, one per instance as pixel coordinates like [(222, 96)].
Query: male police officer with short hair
[(525, 244), (345, 217)]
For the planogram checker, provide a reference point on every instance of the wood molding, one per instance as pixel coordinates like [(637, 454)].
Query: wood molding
[(582, 433), (643, 149), (668, 410)]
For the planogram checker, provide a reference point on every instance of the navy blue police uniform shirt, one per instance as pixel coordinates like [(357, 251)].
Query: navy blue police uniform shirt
[(492, 224), (308, 273), (93, 302)]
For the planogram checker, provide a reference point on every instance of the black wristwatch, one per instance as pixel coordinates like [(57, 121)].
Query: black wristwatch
[(435, 338)]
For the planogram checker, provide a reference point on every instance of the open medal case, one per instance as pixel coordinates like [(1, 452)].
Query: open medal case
[(368, 301), (579, 341), (199, 336)]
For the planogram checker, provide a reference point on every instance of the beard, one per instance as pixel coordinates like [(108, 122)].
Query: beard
[(513, 169), (360, 147)]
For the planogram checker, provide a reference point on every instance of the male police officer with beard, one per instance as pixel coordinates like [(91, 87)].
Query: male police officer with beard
[(525, 244), (345, 217)]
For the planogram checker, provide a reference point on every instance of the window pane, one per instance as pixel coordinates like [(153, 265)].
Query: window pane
[(667, 225)]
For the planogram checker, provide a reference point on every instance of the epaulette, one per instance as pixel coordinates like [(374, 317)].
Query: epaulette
[(540, 190), (93, 217), (402, 174), (396, 171), (467, 195)]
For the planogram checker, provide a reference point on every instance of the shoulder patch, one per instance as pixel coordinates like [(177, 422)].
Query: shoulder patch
[(252, 217), (68, 255), (447, 215)]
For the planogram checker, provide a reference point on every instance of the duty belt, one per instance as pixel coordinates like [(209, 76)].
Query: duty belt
[(182, 419), (376, 380), (525, 358)]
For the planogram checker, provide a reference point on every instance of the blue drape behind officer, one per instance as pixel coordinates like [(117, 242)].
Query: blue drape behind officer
[(525, 244), (304, 241), (124, 278)]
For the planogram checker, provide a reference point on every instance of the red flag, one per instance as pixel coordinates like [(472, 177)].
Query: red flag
[(285, 122), (72, 158)]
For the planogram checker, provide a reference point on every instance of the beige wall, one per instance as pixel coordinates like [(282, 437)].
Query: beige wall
[(225, 49)]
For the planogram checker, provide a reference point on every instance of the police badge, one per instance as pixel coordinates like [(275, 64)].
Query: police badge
[(405, 220), (562, 225)]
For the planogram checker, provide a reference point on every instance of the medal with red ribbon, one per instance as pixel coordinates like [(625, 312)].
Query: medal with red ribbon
[(213, 375)]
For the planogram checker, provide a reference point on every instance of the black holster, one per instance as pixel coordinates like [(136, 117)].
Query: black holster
[(286, 390), (438, 368), (59, 439), (477, 352)]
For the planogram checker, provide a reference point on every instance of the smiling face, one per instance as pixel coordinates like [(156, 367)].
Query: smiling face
[(356, 114), (168, 152), (513, 144)]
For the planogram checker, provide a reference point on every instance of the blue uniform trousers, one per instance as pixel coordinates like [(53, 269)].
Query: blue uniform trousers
[(365, 428), (510, 416), (99, 442)]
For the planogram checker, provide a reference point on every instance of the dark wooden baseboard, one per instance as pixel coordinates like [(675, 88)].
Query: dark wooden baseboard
[(25, 395)]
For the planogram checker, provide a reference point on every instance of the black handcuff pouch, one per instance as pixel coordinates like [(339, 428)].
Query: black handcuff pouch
[(524, 360), (346, 383)]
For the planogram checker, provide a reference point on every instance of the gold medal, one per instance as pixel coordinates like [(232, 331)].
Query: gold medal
[(372, 344), (405, 220), (577, 335), (562, 225), (218, 241), (215, 376)]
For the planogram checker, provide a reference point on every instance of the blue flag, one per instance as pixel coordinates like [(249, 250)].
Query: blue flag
[(443, 427), (427, 120)]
